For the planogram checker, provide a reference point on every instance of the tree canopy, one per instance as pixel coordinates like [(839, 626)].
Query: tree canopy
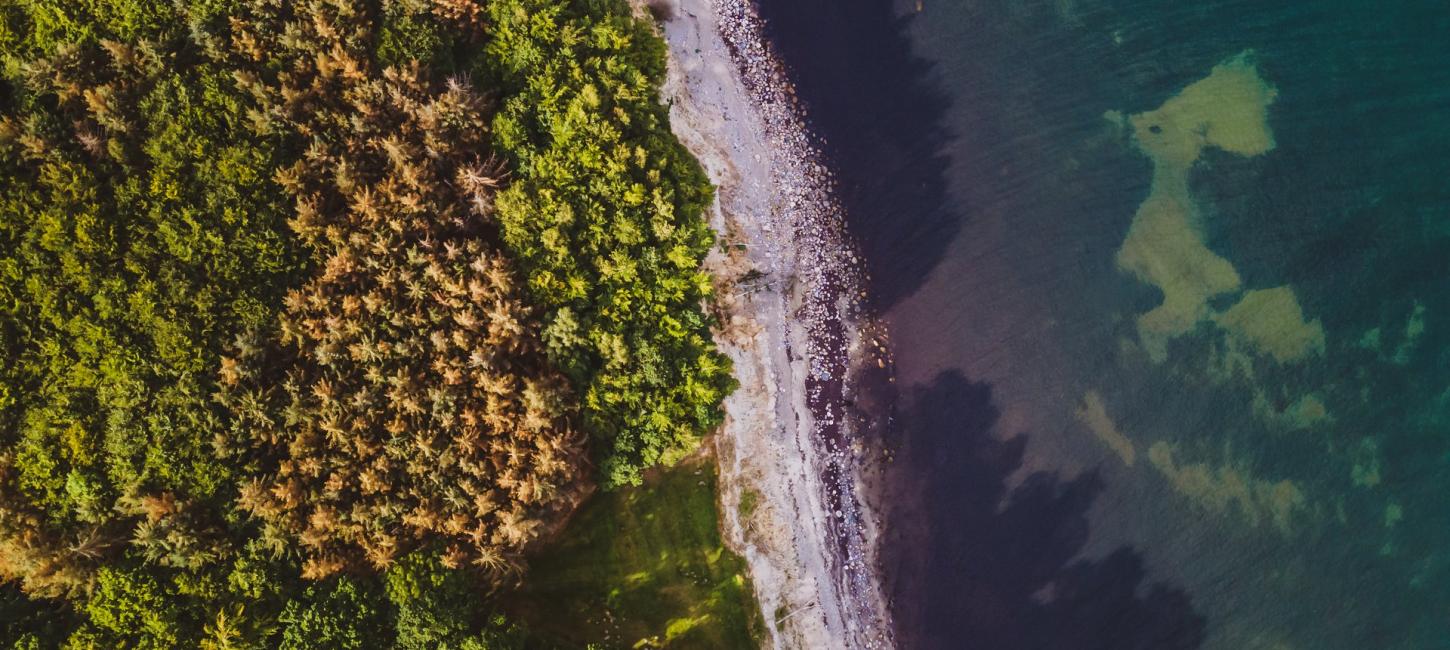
[(409, 400), (140, 235), (317, 317), (606, 218)]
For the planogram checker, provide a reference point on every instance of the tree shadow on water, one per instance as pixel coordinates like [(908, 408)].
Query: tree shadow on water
[(882, 113), (974, 563)]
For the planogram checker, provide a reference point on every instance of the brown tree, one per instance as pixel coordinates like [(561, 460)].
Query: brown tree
[(404, 397)]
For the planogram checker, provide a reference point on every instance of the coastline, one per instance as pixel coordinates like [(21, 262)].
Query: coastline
[(789, 294)]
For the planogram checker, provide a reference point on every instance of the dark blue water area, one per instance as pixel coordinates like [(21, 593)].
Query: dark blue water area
[(1060, 480)]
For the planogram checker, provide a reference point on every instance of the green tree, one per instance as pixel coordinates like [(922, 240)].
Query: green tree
[(432, 602), (340, 614), (606, 218), (129, 609), (141, 233)]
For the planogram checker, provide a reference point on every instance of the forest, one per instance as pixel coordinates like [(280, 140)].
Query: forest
[(321, 319)]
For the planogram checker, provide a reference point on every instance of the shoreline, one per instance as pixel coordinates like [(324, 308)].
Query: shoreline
[(789, 290)]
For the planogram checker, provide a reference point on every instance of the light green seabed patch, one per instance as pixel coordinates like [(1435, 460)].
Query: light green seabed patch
[(1370, 340), (1165, 248), (1271, 321), (1414, 328), (1094, 415), (1226, 488), (1221, 490), (1365, 471), (1393, 514), (1304, 413)]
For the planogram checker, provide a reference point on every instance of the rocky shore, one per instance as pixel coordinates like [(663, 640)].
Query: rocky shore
[(789, 295)]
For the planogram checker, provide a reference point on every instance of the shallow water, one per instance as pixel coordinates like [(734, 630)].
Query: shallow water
[(1167, 287)]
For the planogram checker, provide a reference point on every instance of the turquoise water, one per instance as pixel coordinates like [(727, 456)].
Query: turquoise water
[(1169, 290)]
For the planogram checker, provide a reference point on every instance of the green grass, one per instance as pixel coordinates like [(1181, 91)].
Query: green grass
[(643, 567), (749, 498)]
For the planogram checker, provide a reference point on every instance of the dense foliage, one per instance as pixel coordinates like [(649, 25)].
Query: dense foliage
[(606, 218), (137, 236), (411, 400), (258, 602), (311, 311)]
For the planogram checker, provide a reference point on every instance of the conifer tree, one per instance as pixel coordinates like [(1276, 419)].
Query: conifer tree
[(420, 405)]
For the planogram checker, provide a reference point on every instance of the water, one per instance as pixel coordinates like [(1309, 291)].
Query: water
[(1167, 288)]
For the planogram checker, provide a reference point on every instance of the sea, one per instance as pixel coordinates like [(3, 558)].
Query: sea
[(1167, 294)]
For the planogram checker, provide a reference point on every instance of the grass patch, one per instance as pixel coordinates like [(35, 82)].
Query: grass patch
[(643, 567), (749, 499)]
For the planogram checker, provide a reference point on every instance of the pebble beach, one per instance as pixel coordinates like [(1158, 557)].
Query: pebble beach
[(790, 290)]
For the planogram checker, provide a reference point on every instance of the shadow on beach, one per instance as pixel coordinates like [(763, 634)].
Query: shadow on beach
[(972, 562)]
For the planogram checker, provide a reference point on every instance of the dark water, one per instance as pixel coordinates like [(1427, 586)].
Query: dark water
[(1169, 289)]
